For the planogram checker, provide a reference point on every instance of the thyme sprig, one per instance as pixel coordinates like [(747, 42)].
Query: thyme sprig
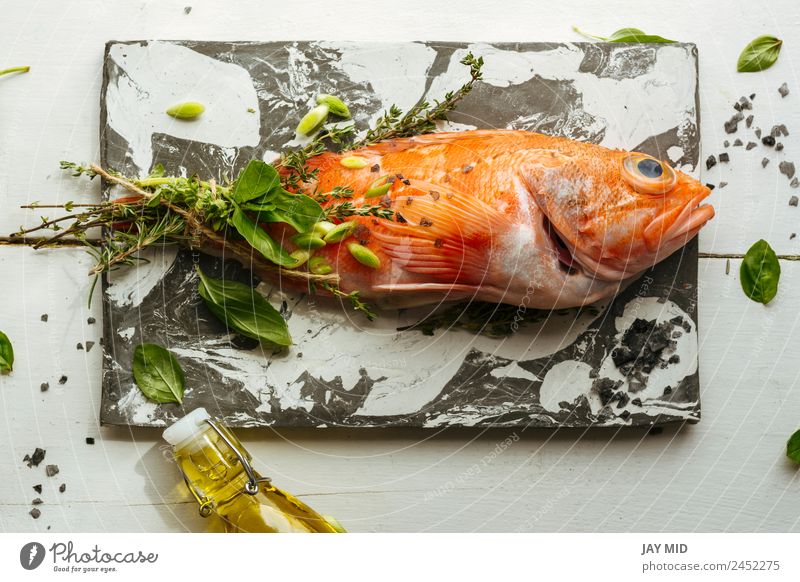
[(420, 119), (354, 298), (423, 116), (348, 209)]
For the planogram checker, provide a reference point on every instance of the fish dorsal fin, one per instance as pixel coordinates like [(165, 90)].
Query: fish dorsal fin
[(442, 233)]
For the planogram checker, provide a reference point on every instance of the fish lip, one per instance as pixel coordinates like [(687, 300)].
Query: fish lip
[(691, 219)]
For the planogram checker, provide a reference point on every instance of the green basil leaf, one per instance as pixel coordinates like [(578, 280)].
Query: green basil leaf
[(761, 53), (158, 374), (793, 447), (6, 353), (260, 240), (297, 210), (260, 204), (244, 310), (760, 273), (257, 179), (627, 35)]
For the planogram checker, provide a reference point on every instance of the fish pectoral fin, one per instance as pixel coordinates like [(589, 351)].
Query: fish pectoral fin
[(442, 233)]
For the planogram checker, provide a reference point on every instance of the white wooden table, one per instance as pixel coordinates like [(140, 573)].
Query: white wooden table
[(728, 473)]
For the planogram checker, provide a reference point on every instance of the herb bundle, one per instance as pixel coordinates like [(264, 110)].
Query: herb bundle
[(204, 215)]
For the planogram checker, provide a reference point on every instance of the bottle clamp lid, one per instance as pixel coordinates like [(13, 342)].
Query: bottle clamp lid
[(187, 427)]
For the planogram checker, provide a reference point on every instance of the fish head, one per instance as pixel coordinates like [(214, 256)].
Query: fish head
[(617, 214)]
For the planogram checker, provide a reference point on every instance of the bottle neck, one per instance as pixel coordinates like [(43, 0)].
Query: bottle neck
[(211, 468)]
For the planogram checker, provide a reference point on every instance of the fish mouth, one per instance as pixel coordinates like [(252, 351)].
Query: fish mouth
[(566, 260)]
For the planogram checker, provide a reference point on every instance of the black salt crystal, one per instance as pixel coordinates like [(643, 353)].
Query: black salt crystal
[(44, 317), (45, 386), (35, 513), (750, 145), (757, 131), (37, 488), (605, 388), (723, 184), (79, 346), (711, 162), (62, 487), (737, 142), (749, 121), (89, 346), (783, 90), (36, 458), (724, 157), (768, 140), (793, 201), (89, 440), (636, 401), (795, 182), (791, 236), (91, 320), (778, 147), (62, 380), (710, 186), (51, 470), (764, 162), (624, 414), (787, 169), (726, 143), (733, 123), (37, 501)]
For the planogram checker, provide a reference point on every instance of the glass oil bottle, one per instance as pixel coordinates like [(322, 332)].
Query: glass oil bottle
[(217, 471)]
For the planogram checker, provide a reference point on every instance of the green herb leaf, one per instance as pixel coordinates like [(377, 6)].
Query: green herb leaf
[(260, 240), (6, 353), (761, 53), (760, 273), (257, 179), (15, 70), (297, 210), (626, 35), (158, 374), (187, 111), (244, 310), (793, 447)]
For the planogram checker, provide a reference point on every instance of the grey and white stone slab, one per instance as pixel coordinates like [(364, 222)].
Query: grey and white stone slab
[(343, 370)]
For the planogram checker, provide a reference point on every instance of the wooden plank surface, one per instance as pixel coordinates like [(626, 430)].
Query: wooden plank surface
[(727, 473)]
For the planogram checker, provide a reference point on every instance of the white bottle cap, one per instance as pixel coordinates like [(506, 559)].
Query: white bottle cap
[(187, 427)]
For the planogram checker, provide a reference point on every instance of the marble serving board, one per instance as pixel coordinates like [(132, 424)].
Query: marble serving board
[(563, 369)]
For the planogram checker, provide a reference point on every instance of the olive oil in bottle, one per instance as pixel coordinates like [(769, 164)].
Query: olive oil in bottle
[(217, 471)]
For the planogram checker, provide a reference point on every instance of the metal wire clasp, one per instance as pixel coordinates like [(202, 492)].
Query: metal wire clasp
[(253, 480)]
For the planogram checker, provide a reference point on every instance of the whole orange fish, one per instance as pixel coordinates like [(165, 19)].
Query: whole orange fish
[(507, 217)]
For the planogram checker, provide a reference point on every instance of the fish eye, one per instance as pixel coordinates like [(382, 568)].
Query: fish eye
[(648, 175)]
